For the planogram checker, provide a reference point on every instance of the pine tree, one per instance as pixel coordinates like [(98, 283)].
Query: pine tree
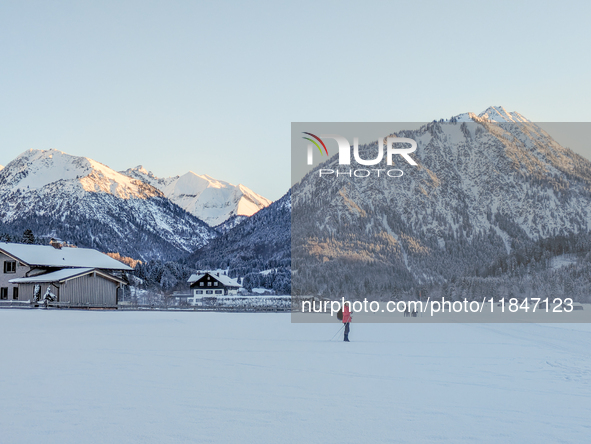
[(28, 237)]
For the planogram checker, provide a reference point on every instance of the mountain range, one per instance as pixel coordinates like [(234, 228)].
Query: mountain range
[(87, 203), (486, 186), (493, 204)]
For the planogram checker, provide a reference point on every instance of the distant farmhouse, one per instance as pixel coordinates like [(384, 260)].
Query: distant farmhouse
[(209, 284), (77, 276)]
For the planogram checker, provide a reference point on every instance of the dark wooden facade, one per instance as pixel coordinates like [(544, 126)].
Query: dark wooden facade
[(210, 284)]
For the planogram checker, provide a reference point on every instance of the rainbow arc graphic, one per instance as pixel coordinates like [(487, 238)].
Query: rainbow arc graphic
[(315, 143)]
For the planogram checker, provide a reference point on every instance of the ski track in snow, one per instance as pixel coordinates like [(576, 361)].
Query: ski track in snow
[(164, 377)]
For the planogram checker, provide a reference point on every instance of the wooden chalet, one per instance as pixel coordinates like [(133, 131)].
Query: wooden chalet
[(212, 284)]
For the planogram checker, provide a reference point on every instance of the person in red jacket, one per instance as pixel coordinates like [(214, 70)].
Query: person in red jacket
[(346, 321)]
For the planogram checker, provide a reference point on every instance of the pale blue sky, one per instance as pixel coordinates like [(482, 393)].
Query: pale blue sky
[(214, 86)]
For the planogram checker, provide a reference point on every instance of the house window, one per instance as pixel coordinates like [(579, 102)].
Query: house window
[(209, 284), (209, 292), (4, 293), (201, 284), (9, 266), (199, 292), (15, 293), (218, 292), (215, 284)]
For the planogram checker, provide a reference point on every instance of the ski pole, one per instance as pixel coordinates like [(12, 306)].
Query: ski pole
[(337, 332)]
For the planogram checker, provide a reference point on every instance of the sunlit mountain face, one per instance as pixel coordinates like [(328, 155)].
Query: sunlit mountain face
[(211, 200), (88, 203), (487, 190)]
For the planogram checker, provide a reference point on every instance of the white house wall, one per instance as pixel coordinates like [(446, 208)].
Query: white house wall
[(21, 270)]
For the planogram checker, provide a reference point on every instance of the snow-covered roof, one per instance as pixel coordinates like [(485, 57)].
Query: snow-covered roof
[(47, 256), (223, 278), (61, 276)]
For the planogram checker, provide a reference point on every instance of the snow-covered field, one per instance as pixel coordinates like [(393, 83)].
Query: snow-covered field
[(161, 377)]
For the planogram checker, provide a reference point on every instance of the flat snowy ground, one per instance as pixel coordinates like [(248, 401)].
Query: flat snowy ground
[(158, 377)]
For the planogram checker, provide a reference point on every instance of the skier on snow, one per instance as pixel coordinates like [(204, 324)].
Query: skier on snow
[(346, 321)]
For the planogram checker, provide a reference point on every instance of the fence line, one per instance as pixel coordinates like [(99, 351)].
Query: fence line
[(138, 307), (288, 305)]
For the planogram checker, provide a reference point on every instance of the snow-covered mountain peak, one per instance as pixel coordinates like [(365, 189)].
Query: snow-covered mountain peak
[(40, 169), (492, 114), (501, 115), (213, 201), (213, 182), (190, 184), (140, 169), (83, 200)]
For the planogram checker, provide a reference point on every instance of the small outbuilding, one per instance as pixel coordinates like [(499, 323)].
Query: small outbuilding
[(73, 286)]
